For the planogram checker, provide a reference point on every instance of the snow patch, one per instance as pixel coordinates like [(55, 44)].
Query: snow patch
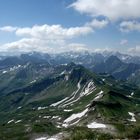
[(86, 90), (96, 125), (130, 96), (88, 105), (10, 121), (64, 64), (67, 110), (68, 102), (59, 102), (58, 126), (73, 117), (19, 107), (132, 93), (32, 81), (103, 80), (75, 122), (18, 121), (65, 125), (42, 138), (4, 72), (46, 117), (63, 72), (41, 108), (15, 68), (132, 117), (99, 95), (89, 89), (55, 117)]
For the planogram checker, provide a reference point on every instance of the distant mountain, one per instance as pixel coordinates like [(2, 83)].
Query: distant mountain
[(35, 57), (10, 61), (23, 59), (126, 58), (83, 58), (109, 66), (114, 66), (119, 65)]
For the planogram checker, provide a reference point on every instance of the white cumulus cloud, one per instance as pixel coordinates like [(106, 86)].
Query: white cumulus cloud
[(8, 29), (112, 9), (50, 38), (53, 31), (97, 24), (127, 26), (45, 38)]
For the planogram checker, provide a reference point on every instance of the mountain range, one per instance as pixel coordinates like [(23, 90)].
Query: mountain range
[(69, 96)]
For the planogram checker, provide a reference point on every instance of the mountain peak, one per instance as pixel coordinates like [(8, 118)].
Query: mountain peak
[(113, 59)]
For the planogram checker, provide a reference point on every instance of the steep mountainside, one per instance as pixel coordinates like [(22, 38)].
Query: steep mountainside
[(39, 100)]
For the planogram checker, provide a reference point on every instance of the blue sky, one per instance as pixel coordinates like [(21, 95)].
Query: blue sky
[(30, 12), (63, 25)]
